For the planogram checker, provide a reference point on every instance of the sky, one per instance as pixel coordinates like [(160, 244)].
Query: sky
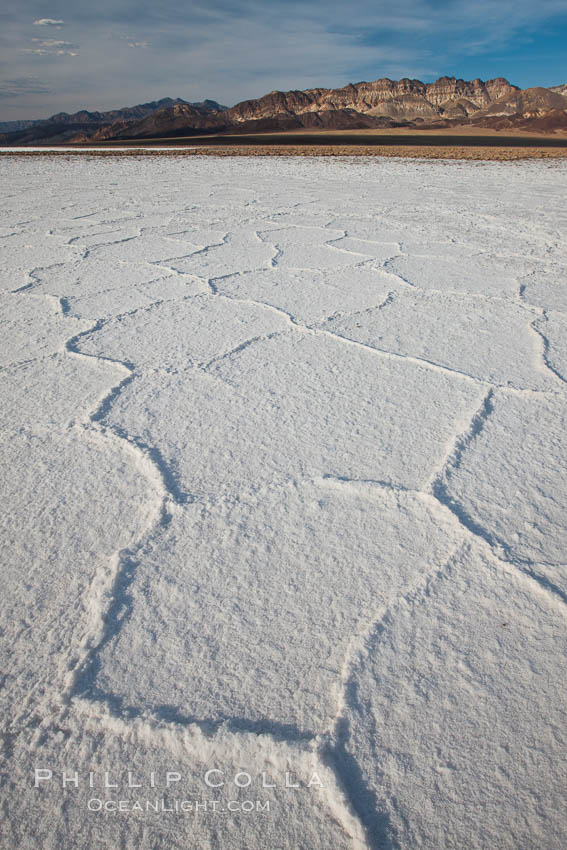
[(65, 55)]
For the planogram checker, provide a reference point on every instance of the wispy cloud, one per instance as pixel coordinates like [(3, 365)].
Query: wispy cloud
[(131, 39), (48, 22), (40, 51), (51, 47), (21, 86), (52, 42)]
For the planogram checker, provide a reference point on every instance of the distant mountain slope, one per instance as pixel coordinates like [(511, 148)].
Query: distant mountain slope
[(550, 121), (174, 116), (63, 126), (532, 102), (382, 103), (184, 121), (403, 99), (15, 126)]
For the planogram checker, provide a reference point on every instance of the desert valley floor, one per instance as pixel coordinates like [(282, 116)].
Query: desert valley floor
[(283, 524)]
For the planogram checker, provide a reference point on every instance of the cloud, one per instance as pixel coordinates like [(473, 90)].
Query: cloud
[(131, 39), (48, 22), (52, 42), (40, 51), (51, 47), (22, 86)]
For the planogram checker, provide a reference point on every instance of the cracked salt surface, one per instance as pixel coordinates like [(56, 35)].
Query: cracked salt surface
[(457, 332), (284, 493)]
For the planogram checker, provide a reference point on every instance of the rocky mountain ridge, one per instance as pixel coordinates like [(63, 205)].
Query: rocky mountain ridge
[(16, 126), (63, 126), (383, 103), (447, 102), (402, 99)]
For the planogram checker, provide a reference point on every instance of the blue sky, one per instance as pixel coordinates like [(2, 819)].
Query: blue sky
[(63, 55)]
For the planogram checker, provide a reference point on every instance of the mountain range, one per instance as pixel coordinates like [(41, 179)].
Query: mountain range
[(384, 103), (63, 126)]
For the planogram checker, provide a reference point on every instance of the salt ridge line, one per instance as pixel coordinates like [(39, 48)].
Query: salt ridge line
[(107, 602), (536, 326), (335, 753), (105, 405), (315, 329), (126, 573)]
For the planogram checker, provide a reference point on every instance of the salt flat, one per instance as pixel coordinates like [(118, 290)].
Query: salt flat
[(284, 477)]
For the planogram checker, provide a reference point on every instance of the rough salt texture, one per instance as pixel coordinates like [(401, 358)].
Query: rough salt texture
[(284, 497)]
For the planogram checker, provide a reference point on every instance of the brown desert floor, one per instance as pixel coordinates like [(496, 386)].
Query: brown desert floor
[(475, 153)]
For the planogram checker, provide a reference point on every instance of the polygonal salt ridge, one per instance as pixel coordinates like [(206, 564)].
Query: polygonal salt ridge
[(290, 784), (355, 407), (430, 246), (92, 275), (480, 274), (95, 237), (309, 248), (446, 699), (33, 327), (13, 280), (55, 550), (376, 239), (148, 247), (509, 484), (154, 221), (304, 216), (76, 229), (121, 300), (110, 218), (26, 236), (198, 236), (478, 224), (552, 328), (26, 251), (241, 250), (197, 329), (310, 295), (489, 339), (544, 286), (283, 594), (379, 251), (375, 227), (70, 389)]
